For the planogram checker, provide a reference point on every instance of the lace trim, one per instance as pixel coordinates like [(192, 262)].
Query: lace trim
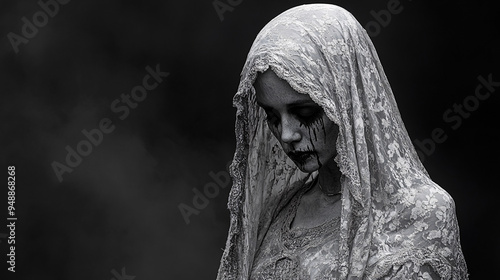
[(292, 243), (417, 256), (294, 239)]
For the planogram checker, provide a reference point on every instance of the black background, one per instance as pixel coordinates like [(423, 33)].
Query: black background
[(119, 207)]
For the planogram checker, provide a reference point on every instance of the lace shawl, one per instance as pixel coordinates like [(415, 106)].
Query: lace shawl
[(395, 221)]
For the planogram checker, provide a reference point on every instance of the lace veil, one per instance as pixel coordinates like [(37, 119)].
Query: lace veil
[(393, 214)]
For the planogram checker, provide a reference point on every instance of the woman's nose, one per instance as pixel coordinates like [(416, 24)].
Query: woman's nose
[(290, 130)]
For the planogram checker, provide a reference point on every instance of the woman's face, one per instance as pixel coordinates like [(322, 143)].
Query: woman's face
[(306, 134)]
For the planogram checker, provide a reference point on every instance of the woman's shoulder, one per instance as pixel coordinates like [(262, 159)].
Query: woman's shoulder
[(421, 216), (419, 237), (427, 201)]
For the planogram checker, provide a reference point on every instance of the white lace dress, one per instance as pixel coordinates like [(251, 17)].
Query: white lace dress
[(395, 222)]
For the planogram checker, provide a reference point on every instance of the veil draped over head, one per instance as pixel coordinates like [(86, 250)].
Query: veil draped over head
[(393, 215)]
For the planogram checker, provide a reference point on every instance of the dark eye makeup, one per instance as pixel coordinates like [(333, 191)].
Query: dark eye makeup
[(306, 114), (271, 117)]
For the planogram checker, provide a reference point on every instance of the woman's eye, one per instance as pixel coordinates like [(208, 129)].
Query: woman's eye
[(308, 113), (270, 117)]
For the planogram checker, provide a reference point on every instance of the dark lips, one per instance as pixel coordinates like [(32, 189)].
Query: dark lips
[(300, 156)]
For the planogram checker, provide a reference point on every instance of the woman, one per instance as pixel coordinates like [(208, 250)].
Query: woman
[(326, 181)]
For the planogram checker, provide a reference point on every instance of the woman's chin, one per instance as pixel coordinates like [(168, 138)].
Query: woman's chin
[(307, 167)]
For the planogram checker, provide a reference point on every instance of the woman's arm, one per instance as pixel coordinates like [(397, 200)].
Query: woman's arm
[(410, 270)]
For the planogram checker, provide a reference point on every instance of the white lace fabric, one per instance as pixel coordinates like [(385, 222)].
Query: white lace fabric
[(297, 253), (396, 223)]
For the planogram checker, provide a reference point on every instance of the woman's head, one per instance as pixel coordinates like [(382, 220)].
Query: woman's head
[(321, 53), (300, 125)]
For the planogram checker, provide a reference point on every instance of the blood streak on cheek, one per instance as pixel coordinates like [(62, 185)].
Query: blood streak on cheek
[(312, 129), (322, 122)]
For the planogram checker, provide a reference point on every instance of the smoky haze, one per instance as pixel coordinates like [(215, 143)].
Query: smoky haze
[(118, 209)]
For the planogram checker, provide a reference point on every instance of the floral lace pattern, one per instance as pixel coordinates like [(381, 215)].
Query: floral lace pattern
[(301, 253), (396, 223)]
